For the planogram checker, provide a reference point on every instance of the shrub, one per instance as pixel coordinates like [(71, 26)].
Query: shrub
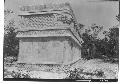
[(75, 74)]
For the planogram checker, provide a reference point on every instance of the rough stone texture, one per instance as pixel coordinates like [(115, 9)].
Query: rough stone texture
[(59, 16), (48, 51), (48, 35)]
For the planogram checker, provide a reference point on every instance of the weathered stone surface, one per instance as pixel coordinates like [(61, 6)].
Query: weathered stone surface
[(59, 19), (48, 37), (48, 51), (63, 6), (48, 33)]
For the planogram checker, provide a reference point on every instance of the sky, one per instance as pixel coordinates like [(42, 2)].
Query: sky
[(86, 12)]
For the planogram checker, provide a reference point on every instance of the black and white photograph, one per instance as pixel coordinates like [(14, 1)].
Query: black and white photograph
[(61, 40)]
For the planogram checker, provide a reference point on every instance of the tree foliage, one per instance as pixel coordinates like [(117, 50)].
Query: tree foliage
[(106, 48), (89, 48), (10, 47)]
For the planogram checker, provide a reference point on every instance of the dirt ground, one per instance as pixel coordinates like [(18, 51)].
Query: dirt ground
[(92, 68), (86, 69)]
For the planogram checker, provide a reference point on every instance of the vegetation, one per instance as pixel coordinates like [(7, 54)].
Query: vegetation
[(15, 74), (106, 48), (81, 74), (11, 43), (93, 47)]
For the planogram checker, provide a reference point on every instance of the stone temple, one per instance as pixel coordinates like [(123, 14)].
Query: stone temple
[(48, 34)]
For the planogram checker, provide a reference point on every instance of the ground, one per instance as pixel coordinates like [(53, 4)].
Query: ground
[(97, 69), (82, 69)]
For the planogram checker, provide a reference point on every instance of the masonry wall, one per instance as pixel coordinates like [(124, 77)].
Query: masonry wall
[(72, 52), (51, 50)]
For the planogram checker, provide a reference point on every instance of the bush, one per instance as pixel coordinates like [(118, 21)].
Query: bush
[(75, 74), (11, 43)]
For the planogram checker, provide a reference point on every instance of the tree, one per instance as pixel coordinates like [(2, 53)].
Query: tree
[(10, 46), (106, 48), (114, 42), (89, 49)]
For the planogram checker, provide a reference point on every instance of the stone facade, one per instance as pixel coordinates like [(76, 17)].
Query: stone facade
[(48, 35)]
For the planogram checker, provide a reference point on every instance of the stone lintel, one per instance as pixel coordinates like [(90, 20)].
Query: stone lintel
[(48, 33), (41, 12), (60, 27)]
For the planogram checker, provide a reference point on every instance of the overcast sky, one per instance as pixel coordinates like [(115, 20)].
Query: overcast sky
[(86, 11)]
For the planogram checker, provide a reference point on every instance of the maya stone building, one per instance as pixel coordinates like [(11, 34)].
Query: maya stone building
[(48, 34)]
